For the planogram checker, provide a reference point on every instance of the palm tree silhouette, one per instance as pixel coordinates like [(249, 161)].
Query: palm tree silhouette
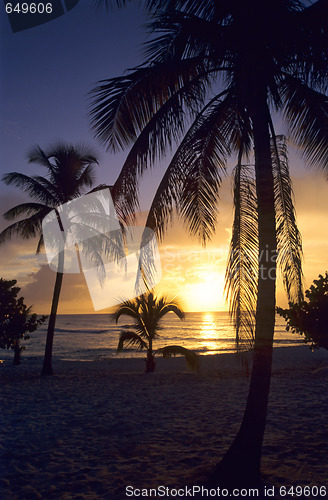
[(224, 69), (147, 311), (70, 170)]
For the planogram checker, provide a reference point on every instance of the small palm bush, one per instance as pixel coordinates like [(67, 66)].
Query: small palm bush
[(147, 312)]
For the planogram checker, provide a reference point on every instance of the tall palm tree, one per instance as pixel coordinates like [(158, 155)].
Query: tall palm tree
[(147, 312), (70, 170), (216, 73)]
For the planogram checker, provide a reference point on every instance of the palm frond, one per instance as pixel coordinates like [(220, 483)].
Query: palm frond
[(25, 209), (26, 229), (314, 42), (30, 186), (134, 309), (69, 170), (38, 156), (190, 184), (112, 4), (166, 197), (201, 163), (79, 155), (200, 195), (289, 243), (149, 269), (123, 106), (128, 308), (163, 130), (159, 217), (88, 176), (75, 158), (183, 34), (306, 111), (222, 128), (97, 248), (166, 305), (147, 311), (204, 8), (71, 173), (192, 359), (128, 338), (124, 209), (242, 268), (48, 185)]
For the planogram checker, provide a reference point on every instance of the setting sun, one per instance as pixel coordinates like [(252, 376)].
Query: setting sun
[(206, 295)]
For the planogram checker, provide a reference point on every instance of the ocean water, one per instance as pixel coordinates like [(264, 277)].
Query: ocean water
[(94, 336)]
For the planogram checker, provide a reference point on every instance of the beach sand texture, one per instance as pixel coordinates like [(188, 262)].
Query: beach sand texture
[(97, 427)]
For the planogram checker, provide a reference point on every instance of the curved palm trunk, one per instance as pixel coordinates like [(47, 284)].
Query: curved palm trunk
[(241, 464), (47, 361)]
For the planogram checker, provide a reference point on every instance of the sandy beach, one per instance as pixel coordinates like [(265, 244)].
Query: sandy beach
[(97, 427)]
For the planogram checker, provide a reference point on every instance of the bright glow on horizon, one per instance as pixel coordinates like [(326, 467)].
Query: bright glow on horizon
[(191, 274), (207, 295)]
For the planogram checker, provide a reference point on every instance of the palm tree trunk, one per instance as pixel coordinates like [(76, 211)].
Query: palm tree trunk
[(47, 361), (150, 360), (241, 464)]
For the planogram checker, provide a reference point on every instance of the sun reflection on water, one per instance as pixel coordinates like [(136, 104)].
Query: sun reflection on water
[(208, 326), (209, 335)]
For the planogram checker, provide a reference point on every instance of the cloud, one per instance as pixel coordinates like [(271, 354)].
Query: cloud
[(74, 297), (18, 259)]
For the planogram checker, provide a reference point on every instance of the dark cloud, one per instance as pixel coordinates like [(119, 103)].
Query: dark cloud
[(74, 297)]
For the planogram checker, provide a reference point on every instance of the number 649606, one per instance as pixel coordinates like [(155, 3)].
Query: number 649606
[(32, 8)]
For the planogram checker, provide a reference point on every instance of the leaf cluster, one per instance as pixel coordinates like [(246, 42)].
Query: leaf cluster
[(310, 318), (16, 319), (69, 170), (192, 359), (147, 312), (206, 64)]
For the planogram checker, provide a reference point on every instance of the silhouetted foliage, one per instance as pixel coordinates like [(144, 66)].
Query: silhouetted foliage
[(147, 311), (69, 172), (169, 100), (310, 318), (16, 319)]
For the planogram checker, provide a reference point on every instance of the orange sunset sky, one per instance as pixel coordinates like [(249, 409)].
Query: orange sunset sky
[(40, 105), (194, 274)]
